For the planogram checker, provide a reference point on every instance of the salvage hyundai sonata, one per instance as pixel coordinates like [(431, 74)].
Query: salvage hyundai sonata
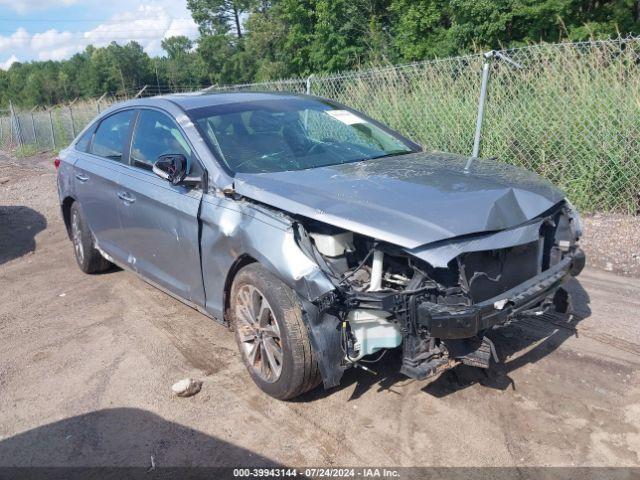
[(319, 235)]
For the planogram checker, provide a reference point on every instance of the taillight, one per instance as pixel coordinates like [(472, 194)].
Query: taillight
[(56, 162)]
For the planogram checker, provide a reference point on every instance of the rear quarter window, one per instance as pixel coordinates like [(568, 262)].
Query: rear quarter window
[(82, 144), (111, 136)]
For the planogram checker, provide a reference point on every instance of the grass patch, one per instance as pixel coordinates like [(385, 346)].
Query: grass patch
[(571, 114), (25, 151)]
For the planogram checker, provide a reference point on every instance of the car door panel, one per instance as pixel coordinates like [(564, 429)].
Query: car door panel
[(159, 220), (160, 232), (96, 183), (96, 177)]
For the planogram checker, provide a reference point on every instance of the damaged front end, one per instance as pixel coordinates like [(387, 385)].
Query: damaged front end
[(435, 302)]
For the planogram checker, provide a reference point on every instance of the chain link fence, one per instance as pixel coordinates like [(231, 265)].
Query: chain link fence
[(570, 112), (49, 128)]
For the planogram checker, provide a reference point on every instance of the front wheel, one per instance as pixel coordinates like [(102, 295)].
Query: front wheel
[(271, 335)]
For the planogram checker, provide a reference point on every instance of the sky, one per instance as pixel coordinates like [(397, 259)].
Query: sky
[(56, 29)]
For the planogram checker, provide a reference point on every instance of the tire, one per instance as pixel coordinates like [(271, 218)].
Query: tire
[(254, 291), (88, 257)]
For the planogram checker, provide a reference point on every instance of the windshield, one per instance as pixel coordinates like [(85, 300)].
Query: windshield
[(292, 134)]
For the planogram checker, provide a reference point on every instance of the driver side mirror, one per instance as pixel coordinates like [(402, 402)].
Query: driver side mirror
[(173, 168)]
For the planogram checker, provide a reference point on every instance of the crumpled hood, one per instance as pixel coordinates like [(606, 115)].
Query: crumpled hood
[(408, 200)]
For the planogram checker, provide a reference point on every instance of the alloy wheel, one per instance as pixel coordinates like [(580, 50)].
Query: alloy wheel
[(76, 235), (259, 333)]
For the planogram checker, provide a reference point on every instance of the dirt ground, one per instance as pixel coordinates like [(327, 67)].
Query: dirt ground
[(87, 362), (612, 242)]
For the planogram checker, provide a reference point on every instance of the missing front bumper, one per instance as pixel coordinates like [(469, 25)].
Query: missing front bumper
[(450, 322), (441, 336)]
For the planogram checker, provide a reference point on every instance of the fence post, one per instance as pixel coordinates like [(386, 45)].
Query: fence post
[(483, 97), (15, 125), (53, 137), (308, 86), (141, 91), (33, 128), (73, 126), (98, 102), (308, 92), (486, 67)]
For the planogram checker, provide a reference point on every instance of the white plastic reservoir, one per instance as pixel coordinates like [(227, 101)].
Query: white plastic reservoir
[(373, 331), (333, 245)]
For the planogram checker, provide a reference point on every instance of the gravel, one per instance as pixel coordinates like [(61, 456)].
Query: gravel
[(612, 243)]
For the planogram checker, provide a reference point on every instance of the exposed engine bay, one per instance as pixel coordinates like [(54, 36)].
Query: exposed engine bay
[(436, 303)]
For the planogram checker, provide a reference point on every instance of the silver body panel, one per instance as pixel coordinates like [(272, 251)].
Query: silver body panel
[(409, 200), (160, 233), (96, 183)]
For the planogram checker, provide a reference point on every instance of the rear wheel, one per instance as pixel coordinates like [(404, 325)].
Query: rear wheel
[(87, 255), (271, 334)]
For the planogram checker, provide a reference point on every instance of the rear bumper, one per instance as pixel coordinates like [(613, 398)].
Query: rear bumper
[(453, 322)]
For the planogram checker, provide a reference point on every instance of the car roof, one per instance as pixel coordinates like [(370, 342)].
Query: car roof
[(191, 101)]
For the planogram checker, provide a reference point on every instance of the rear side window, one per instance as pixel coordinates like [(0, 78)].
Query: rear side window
[(83, 143), (112, 133), (156, 134)]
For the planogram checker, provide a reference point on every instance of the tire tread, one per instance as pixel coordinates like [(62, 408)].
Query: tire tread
[(305, 373), (93, 262)]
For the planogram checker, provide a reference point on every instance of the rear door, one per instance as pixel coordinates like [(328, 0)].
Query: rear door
[(160, 228), (96, 179)]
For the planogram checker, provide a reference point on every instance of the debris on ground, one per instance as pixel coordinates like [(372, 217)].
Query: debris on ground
[(186, 387)]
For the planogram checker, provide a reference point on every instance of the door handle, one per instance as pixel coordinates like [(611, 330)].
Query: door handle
[(126, 197), (81, 177)]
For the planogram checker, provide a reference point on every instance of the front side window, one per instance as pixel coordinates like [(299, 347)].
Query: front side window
[(156, 134), (109, 140), (292, 134)]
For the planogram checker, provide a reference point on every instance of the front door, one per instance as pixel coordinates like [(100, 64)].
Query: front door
[(160, 228)]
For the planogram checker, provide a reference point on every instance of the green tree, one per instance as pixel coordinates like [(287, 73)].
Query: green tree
[(216, 16), (348, 33), (183, 67), (225, 60), (177, 47), (299, 20), (429, 28), (265, 36)]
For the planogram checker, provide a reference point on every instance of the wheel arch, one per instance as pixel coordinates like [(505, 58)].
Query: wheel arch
[(66, 212), (240, 262)]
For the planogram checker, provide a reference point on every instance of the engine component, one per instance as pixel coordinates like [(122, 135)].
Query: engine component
[(372, 332), (333, 245), (439, 315), (376, 271)]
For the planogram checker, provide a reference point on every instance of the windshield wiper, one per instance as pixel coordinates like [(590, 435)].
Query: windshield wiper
[(393, 153)]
